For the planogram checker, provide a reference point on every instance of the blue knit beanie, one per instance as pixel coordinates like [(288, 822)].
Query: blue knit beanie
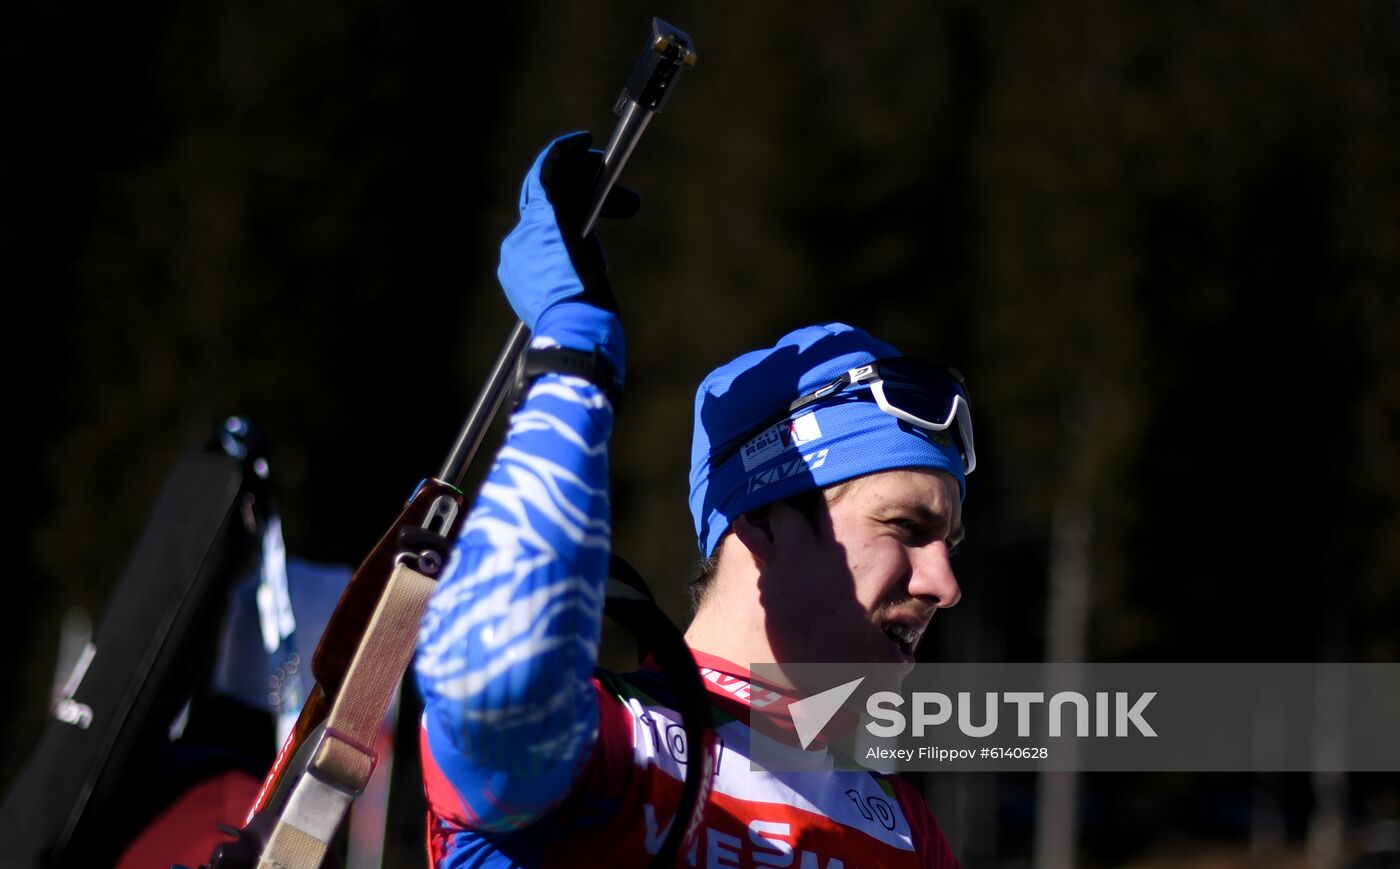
[(735, 468)]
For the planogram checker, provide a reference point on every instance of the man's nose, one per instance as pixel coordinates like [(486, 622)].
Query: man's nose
[(933, 577)]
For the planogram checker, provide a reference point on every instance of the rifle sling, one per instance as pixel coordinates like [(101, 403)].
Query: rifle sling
[(345, 757)]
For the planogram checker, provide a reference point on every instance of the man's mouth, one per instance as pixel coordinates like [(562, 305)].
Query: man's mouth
[(907, 638)]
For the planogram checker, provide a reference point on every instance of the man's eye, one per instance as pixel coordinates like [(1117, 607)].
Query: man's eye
[(912, 529)]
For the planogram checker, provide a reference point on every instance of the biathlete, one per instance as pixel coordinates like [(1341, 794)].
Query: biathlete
[(826, 484)]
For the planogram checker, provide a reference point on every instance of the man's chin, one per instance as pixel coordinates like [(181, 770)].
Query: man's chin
[(889, 674)]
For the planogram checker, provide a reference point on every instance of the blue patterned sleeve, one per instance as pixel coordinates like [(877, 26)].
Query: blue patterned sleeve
[(507, 650)]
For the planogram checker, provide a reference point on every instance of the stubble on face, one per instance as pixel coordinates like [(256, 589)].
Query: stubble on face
[(863, 582)]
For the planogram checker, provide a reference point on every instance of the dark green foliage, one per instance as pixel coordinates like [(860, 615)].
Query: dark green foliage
[(1162, 241)]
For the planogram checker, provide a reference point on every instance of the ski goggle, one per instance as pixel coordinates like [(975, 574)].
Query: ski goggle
[(916, 391)]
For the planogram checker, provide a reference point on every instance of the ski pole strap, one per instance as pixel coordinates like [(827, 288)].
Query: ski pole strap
[(344, 758)]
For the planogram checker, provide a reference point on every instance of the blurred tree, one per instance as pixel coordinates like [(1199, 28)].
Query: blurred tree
[(1162, 241)]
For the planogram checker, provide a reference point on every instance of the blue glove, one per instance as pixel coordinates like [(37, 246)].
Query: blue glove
[(555, 279)]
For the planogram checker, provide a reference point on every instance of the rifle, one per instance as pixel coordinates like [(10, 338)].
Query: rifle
[(370, 638)]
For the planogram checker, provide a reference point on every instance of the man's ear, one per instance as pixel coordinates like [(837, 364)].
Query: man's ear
[(755, 530)]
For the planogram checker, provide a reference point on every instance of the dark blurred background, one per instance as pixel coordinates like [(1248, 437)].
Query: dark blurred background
[(1162, 240)]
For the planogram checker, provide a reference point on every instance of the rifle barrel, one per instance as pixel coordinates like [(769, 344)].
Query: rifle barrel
[(667, 53)]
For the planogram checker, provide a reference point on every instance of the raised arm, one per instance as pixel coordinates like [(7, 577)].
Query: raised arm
[(507, 650)]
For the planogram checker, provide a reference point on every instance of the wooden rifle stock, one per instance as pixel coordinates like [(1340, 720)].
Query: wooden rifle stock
[(434, 502), (357, 602)]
